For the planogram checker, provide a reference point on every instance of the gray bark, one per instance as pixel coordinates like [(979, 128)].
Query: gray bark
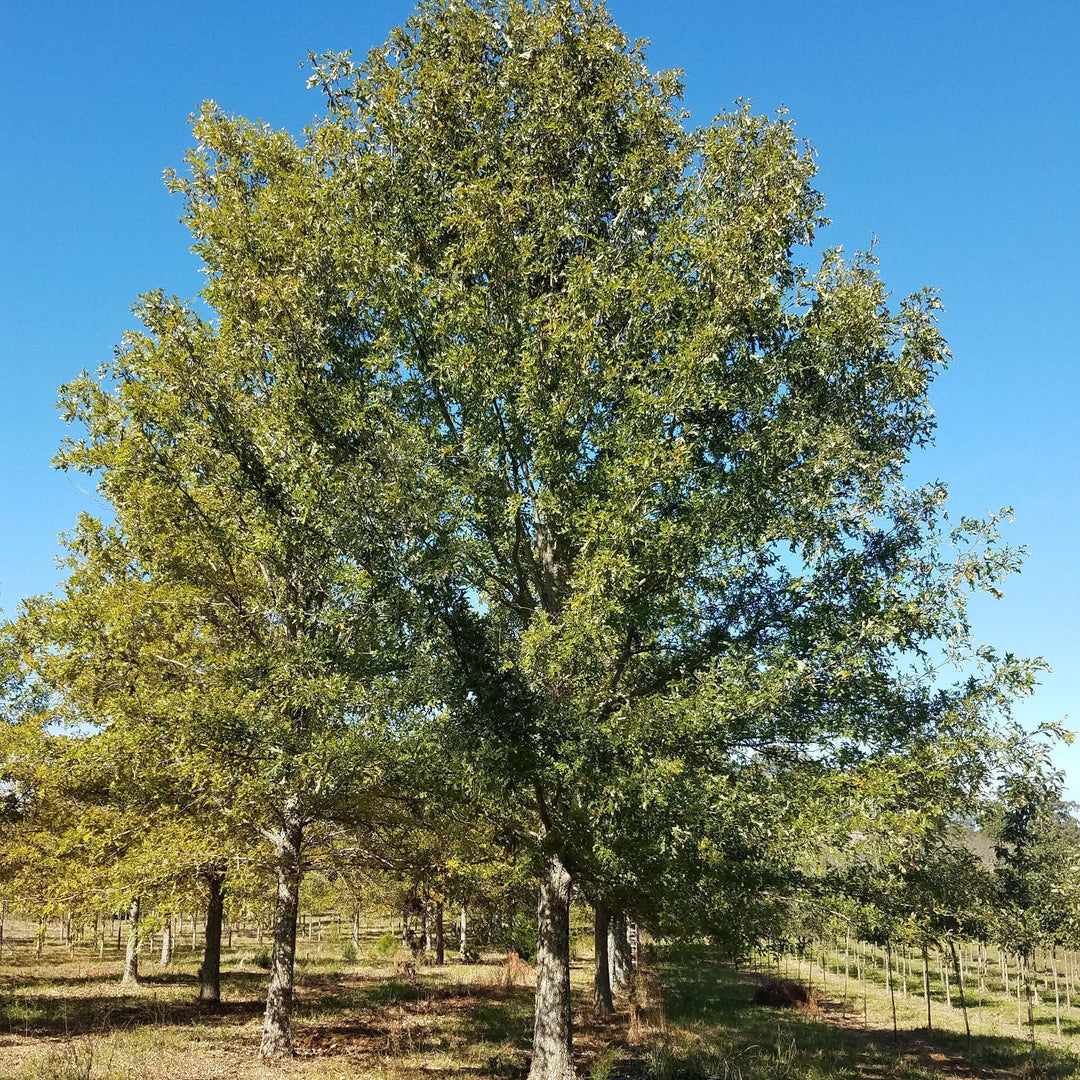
[(440, 934), (620, 960), (166, 942), (210, 972), (462, 931), (277, 1021), (602, 1001), (552, 1051), (131, 955)]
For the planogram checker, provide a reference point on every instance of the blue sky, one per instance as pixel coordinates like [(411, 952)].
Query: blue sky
[(946, 131)]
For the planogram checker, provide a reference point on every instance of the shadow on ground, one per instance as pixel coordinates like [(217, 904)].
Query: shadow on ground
[(702, 992)]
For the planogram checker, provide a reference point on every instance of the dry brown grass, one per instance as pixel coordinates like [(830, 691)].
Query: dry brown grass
[(66, 1017)]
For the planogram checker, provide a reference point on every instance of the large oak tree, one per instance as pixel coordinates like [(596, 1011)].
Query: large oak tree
[(667, 456)]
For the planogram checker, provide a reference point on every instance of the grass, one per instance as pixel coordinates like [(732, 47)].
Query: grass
[(65, 1017)]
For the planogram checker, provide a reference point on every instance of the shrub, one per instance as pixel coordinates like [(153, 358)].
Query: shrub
[(523, 936), (388, 945), (263, 957)]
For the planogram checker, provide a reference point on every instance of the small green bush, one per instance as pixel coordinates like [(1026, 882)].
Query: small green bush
[(388, 945), (604, 1066), (263, 957), (349, 952), (523, 936)]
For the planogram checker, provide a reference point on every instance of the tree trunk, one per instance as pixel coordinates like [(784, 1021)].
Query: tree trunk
[(462, 931), (862, 979), (620, 961), (1030, 1007), (926, 987), (210, 972), (892, 990), (277, 1022), (1019, 1006), (963, 1002), (356, 927), (166, 942), (552, 1051), (1057, 994), (131, 955), (602, 1002), (440, 933)]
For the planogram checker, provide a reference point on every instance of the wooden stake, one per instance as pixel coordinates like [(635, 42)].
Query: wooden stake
[(892, 992), (926, 986), (1019, 1004), (1057, 996), (847, 970)]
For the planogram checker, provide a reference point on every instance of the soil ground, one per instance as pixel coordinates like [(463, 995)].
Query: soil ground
[(64, 1016)]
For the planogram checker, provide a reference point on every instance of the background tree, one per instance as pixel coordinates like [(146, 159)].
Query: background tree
[(209, 440)]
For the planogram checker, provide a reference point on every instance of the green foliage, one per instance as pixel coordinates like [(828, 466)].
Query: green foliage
[(262, 957), (526, 462), (523, 935), (677, 576), (388, 945), (393, 991)]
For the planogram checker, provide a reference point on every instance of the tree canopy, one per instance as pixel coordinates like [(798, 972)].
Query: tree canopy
[(531, 420)]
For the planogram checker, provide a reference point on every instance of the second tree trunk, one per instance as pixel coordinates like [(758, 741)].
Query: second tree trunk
[(602, 1001), (210, 972)]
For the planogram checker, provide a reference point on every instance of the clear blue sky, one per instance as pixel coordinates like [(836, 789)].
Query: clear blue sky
[(949, 131)]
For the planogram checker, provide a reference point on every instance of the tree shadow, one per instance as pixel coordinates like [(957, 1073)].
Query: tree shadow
[(69, 1006)]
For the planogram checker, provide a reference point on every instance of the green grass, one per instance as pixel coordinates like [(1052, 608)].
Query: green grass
[(67, 1018)]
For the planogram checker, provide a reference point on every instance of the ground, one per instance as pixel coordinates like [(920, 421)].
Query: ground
[(64, 1016)]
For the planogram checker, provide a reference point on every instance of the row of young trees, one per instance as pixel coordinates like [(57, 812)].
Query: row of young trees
[(513, 479)]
